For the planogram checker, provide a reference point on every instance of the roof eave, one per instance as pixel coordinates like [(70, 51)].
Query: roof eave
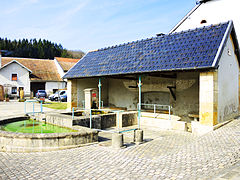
[(138, 73), (17, 63), (229, 30)]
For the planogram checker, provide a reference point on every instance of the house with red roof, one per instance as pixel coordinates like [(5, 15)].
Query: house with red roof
[(33, 74)]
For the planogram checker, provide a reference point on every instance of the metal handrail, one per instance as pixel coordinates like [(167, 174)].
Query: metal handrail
[(157, 105)]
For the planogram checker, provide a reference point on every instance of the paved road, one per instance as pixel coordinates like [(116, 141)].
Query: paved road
[(164, 155), (14, 108)]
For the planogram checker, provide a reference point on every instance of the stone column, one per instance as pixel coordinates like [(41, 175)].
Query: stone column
[(208, 98), (72, 93), (117, 140), (88, 98)]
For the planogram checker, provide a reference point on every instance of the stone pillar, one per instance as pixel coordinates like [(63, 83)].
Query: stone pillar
[(117, 140), (72, 93), (208, 98), (88, 98), (138, 135)]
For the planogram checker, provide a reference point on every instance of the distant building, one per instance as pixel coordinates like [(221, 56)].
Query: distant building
[(33, 74)]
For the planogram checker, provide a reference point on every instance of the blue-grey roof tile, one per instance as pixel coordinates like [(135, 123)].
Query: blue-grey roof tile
[(191, 49)]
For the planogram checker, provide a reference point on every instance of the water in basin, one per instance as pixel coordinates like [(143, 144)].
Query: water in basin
[(32, 126)]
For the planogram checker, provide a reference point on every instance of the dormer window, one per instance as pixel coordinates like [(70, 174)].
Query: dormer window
[(14, 77)]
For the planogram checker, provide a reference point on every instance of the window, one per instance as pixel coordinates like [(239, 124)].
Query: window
[(14, 90), (14, 77)]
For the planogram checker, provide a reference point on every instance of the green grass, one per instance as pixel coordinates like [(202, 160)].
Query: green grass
[(55, 105)]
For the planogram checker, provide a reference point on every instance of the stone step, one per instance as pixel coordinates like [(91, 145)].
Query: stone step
[(160, 116), (163, 124)]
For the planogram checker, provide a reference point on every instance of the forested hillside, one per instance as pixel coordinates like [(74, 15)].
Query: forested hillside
[(34, 48)]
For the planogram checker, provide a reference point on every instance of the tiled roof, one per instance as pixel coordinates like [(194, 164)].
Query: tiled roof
[(66, 63), (42, 70), (192, 49)]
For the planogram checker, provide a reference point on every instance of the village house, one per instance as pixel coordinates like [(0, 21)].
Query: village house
[(33, 74), (193, 71)]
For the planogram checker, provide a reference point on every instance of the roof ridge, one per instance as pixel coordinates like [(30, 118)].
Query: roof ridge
[(17, 58), (156, 37)]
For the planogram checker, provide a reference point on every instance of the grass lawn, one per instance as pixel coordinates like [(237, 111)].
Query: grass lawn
[(55, 105)]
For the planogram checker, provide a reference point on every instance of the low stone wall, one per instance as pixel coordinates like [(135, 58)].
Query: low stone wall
[(129, 118), (26, 142), (100, 121)]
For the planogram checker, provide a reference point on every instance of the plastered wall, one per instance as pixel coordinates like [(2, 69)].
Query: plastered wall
[(228, 83), (91, 83), (22, 75), (54, 85), (187, 95)]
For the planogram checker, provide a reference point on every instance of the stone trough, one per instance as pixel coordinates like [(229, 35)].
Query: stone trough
[(27, 142)]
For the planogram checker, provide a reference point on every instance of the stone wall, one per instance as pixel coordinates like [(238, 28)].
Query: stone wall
[(187, 95), (129, 119)]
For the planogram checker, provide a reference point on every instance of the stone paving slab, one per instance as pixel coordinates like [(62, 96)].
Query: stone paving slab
[(165, 155)]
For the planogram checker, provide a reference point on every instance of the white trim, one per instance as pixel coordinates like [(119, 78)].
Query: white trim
[(17, 63), (184, 18), (59, 67), (74, 66), (222, 43)]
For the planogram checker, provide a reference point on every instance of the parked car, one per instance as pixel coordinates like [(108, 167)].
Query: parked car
[(57, 95), (51, 97), (41, 93), (63, 98)]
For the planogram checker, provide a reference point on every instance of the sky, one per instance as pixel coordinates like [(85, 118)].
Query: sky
[(90, 24)]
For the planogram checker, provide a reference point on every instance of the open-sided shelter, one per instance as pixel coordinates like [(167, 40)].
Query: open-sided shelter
[(195, 71)]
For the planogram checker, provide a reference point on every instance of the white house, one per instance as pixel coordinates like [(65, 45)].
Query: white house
[(207, 12), (33, 74)]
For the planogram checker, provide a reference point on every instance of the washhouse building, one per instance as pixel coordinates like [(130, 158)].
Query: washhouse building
[(195, 72)]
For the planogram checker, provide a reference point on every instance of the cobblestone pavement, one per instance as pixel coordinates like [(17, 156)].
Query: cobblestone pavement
[(164, 155)]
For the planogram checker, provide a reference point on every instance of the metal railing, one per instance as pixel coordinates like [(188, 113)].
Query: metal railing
[(33, 107), (155, 108)]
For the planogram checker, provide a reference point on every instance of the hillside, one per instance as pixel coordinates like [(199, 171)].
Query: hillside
[(33, 48)]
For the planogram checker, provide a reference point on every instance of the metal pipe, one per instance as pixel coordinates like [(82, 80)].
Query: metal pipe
[(118, 120), (99, 91), (169, 112), (128, 130), (90, 118), (139, 96), (73, 113), (25, 107), (154, 110), (33, 109), (41, 107)]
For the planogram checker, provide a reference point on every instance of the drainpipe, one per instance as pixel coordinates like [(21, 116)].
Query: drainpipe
[(99, 95), (139, 96)]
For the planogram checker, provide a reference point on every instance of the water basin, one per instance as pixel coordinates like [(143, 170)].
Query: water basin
[(32, 126)]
